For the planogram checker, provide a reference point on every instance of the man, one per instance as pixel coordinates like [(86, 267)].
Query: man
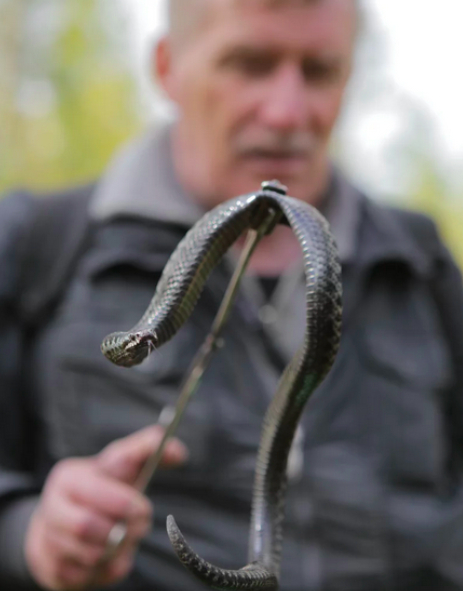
[(374, 500)]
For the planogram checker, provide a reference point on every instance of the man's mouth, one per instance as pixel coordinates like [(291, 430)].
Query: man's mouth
[(283, 161)]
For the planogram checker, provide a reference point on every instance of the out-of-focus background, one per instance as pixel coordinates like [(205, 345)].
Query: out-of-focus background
[(75, 83)]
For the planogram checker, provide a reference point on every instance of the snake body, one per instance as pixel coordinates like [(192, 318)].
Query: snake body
[(176, 295)]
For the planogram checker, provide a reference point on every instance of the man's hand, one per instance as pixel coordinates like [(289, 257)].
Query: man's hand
[(82, 500)]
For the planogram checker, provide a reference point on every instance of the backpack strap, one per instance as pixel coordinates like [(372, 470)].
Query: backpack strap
[(56, 237)]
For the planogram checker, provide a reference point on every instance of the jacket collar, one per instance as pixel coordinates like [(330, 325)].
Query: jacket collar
[(141, 182)]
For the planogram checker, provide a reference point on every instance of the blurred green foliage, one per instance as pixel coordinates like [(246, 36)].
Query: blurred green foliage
[(67, 92)]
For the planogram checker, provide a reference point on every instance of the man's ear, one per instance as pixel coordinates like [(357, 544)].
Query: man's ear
[(162, 66)]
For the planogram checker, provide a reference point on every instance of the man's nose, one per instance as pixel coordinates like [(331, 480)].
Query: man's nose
[(285, 106)]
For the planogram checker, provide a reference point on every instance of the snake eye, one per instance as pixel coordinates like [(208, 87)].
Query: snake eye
[(142, 338), (133, 340)]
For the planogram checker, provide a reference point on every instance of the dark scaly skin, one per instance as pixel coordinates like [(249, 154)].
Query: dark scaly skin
[(176, 295)]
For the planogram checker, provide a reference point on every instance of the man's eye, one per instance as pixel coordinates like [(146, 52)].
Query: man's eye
[(320, 72), (253, 65)]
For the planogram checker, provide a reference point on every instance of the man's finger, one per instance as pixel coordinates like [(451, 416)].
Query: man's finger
[(68, 548), (124, 458), (108, 497), (69, 518)]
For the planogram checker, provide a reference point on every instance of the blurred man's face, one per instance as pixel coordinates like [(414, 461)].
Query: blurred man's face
[(259, 89)]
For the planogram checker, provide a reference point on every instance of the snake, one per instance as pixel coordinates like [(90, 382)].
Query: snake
[(177, 292)]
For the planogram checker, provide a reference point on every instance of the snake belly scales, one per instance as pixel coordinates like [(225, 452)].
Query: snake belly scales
[(176, 295)]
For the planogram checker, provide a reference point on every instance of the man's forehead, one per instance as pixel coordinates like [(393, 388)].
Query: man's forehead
[(182, 4), (183, 10), (189, 17), (274, 2), (177, 5)]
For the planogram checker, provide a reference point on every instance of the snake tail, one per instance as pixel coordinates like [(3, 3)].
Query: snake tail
[(253, 576)]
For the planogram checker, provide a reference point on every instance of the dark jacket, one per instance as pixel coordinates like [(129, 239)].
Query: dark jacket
[(378, 502)]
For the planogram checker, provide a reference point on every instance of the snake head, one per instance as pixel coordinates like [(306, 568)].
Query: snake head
[(127, 349)]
